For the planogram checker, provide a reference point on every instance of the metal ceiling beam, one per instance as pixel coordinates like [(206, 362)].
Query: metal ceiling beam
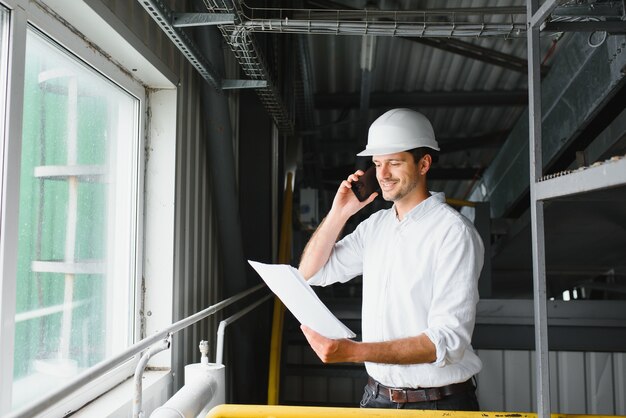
[(479, 53), (424, 99), (543, 13), (454, 173), (182, 20), (490, 140), (596, 9), (243, 84), (447, 144), (618, 26)]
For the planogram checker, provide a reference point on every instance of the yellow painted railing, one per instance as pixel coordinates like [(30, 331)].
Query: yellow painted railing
[(458, 202), (284, 257), (276, 411)]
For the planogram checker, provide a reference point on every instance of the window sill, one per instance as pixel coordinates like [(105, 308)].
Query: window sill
[(117, 402)]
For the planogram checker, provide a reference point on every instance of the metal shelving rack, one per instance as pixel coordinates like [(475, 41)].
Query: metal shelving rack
[(608, 174)]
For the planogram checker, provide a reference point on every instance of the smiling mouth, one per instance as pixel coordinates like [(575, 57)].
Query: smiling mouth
[(385, 185)]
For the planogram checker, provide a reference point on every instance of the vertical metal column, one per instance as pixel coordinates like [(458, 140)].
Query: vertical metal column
[(536, 211)]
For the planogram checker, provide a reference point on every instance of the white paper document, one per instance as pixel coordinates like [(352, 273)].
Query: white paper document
[(291, 288)]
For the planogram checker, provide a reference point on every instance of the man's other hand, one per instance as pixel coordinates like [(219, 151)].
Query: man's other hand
[(329, 350)]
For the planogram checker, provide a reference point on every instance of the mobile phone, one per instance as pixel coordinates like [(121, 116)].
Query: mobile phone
[(366, 185)]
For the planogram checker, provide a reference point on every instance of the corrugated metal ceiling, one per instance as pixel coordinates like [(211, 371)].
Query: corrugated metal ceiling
[(403, 66)]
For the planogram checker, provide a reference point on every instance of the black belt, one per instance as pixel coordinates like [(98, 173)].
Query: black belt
[(403, 395)]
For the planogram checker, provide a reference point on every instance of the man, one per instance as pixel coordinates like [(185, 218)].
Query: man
[(420, 262)]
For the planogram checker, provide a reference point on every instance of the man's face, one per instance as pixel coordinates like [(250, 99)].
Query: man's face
[(397, 174)]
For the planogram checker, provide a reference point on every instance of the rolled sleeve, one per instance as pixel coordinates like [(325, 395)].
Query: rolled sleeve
[(441, 345), (320, 278), (455, 294)]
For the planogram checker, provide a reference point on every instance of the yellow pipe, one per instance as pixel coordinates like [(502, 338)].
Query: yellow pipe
[(458, 202), (273, 383), (284, 257), (282, 411)]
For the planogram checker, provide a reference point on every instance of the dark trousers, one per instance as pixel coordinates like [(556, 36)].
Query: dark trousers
[(464, 401)]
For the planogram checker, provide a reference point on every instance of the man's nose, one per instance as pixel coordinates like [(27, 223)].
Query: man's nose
[(383, 171)]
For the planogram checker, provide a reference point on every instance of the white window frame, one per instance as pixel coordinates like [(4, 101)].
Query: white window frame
[(23, 14)]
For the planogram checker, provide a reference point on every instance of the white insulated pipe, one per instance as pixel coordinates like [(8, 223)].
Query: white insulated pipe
[(205, 385), (204, 388), (219, 351)]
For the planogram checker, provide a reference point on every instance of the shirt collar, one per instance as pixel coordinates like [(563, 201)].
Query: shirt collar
[(435, 199)]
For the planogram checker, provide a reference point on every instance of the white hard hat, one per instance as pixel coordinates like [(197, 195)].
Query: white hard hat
[(399, 130)]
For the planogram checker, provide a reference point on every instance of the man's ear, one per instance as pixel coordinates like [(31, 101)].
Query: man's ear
[(425, 164)]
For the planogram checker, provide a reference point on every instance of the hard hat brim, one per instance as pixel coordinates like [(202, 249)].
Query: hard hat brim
[(367, 152)]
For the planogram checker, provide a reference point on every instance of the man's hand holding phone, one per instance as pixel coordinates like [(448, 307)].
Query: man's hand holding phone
[(366, 184), (345, 203)]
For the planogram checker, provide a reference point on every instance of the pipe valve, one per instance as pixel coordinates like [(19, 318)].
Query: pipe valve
[(204, 350)]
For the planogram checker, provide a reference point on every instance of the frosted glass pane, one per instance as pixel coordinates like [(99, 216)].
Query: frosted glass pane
[(78, 198)]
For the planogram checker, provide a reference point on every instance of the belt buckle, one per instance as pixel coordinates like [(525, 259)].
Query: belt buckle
[(393, 392), (436, 394)]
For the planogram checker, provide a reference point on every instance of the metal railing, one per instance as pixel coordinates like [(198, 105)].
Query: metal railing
[(105, 366), (219, 350)]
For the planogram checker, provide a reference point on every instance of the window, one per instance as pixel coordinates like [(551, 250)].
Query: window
[(4, 37), (78, 220)]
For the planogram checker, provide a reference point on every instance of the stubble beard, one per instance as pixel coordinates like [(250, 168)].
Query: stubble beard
[(406, 189)]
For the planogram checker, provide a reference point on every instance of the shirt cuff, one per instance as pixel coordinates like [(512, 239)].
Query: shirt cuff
[(317, 279), (440, 348)]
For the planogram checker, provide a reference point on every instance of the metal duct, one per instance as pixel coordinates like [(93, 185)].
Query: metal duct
[(222, 165), (308, 87)]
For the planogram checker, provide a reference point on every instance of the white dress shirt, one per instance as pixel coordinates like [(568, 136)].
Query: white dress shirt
[(420, 275)]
